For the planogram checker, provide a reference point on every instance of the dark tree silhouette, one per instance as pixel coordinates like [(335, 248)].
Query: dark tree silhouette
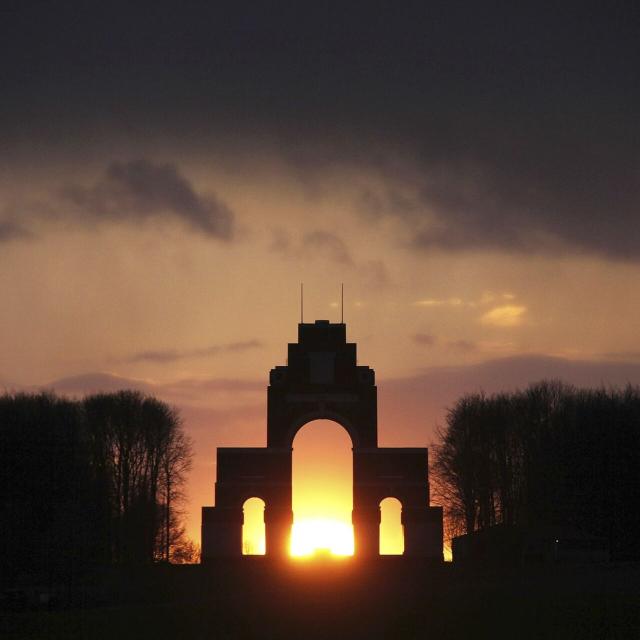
[(89, 482), (148, 455), (549, 454)]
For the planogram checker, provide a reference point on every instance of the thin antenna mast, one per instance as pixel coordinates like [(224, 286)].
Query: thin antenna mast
[(342, 302), (301, 303)]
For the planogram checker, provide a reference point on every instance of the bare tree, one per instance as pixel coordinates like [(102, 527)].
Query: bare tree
[(547, 454), (141, 449), (176, 463)]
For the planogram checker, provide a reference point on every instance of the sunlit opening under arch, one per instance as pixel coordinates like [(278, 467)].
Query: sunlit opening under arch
[(322, 490), (391, 529), (253, 537)]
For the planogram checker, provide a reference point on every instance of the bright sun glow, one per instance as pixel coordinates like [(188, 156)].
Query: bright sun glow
[(321, 535), (322, 491), (322, 474)]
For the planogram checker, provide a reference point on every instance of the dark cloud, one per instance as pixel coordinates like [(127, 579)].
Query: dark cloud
[(573, 195), (525, 189), (173, 355), (328, 244), (424, 339), (11, 231), (495, 127), (140, 190)]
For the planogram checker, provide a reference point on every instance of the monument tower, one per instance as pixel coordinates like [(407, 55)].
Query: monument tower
[(321, 380)]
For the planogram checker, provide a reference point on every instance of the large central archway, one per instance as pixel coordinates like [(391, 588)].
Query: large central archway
[(322, 490)]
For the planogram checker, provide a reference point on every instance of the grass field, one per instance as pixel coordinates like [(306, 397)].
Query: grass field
[(388, 598)]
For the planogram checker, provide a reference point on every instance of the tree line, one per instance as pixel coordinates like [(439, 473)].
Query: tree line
[(91, 482), (549, 454)]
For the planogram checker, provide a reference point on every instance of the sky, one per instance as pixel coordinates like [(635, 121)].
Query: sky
[(171, 172)]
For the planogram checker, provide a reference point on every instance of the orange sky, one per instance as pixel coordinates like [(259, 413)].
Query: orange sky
[(170, 174), (199, 320)]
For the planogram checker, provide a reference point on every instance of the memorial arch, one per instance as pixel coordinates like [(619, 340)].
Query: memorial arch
[(321, 380)]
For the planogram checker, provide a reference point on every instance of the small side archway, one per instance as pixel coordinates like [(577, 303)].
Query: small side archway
[(253, 529), (391, 529)]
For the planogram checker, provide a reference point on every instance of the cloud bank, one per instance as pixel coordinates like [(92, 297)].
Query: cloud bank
[(493, 128), (139, 190), (131, 192)]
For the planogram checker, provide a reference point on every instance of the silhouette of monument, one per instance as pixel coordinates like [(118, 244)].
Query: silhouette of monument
[(322, 380)]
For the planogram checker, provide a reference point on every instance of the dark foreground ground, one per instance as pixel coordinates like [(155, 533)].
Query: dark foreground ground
[(389, 598)]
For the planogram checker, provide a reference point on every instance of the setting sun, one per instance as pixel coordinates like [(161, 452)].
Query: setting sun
[(321, 535)]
